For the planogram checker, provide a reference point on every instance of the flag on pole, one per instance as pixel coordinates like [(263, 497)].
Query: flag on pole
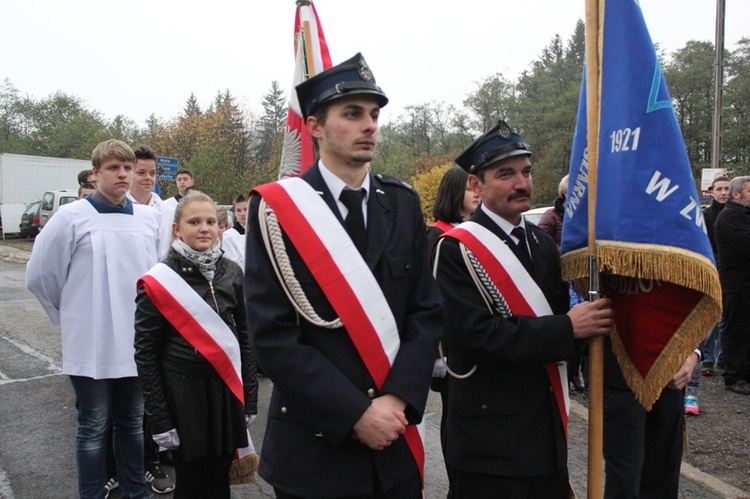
[(311, 57), (652, 250)]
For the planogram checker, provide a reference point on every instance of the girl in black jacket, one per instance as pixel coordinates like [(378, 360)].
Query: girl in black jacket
[(201, 399)]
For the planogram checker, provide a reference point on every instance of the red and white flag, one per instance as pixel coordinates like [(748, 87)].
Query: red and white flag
[(311, 57)]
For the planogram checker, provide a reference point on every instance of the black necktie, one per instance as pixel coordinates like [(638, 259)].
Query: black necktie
[(523, 249), (355, 219)]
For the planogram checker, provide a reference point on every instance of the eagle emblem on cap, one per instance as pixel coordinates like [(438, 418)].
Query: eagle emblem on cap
[(364, 70), (504, 131)]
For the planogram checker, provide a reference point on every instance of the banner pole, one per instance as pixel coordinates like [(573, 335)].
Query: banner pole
[(305, 13), (596, 345)]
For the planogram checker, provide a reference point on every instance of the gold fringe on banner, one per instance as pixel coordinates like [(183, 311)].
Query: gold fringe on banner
[(665, 263), (243, 469)]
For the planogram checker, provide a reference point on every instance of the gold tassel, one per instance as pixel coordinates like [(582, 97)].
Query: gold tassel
[(244, 470)]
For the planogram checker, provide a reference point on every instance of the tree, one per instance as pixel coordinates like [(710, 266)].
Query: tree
[(426, 184), (690, 79), (192, 108), (268, 136), (737, 109), (546, 108), (491, 101)]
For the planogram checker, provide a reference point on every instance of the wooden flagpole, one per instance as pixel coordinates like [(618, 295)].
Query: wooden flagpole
[(305, 13), (594, 16)]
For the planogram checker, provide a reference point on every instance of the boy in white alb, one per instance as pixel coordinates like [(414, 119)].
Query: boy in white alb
[(233, 240), (144, 178), (84, 269)]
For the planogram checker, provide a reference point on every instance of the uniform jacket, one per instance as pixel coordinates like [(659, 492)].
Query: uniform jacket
[(157, 342), (503, 419), (732, 234), (321, 385), (709, 217)]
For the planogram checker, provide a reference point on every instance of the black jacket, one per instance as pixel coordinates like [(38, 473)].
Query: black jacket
[(503, 420), (732, 233), (709, 217), (157, 343), (321, 384)]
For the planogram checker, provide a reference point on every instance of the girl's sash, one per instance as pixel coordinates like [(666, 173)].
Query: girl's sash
[(197, 322)]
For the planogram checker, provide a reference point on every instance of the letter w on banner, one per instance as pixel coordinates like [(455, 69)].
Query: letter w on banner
[(311, 57), (652, 250)]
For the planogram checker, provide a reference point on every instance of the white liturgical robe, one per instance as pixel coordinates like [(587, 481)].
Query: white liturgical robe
[(83, 269)]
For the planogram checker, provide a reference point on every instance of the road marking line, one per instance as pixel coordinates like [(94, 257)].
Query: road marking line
[(51, 366), (6, 492), (21, 380)]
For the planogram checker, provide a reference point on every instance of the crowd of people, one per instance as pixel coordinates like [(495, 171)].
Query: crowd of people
[(331, 285)]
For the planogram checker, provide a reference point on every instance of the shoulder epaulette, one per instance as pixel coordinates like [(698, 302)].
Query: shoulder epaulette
[(388, 179)]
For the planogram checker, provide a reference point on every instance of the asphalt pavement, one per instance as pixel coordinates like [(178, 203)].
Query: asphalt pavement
[(38, 417)]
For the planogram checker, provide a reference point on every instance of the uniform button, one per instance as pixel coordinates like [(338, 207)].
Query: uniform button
[(284, 410), (371, 393), (484, 407)]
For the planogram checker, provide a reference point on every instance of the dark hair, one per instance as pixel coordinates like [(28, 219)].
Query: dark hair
[(145, 152), (190, 189), (449, 200), (85, 185), (723, 178), (186, 172), (83, 176), (321, 115), (240, 199)]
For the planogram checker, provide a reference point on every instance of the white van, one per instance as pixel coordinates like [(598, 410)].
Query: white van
[(52, 200)]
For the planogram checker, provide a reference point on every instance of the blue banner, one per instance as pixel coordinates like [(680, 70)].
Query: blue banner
[(647, 193), (652, 250)]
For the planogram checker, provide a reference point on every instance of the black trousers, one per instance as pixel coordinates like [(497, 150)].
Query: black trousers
[(642, 450), (410, 489), (736, 340), (203, 478), (469, 485)]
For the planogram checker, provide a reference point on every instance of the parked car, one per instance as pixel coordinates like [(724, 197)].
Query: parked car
[(29, 225), (52, 200), (535, 214)]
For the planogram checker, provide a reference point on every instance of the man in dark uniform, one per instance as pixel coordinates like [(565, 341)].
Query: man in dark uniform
[(732, 233), (333, 429), (507, 419), (712, 352)]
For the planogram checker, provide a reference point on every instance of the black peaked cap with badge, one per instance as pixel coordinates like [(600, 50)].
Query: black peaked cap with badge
[(351, 77), (498, 143)]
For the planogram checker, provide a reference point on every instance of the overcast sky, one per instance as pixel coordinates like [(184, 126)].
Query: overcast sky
[(146, 56)]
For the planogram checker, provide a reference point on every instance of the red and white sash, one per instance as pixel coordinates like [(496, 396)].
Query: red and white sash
[(444, 226), (522, 294), (344, 278), (197, 322)]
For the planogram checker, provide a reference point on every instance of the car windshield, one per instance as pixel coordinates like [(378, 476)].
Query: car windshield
[(32, 209)]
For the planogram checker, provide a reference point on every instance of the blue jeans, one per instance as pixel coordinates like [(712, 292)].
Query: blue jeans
[(102, 403), (712, 352)]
